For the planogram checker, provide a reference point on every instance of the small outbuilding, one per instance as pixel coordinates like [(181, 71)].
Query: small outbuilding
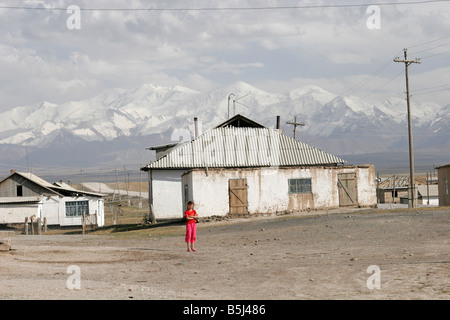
[(241, 167), (27, 195)]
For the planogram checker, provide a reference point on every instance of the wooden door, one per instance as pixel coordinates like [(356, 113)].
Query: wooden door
[(348, 189), (238, 196)]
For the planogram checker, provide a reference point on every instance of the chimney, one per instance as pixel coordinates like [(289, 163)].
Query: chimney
[(196, 127), (278, 124)]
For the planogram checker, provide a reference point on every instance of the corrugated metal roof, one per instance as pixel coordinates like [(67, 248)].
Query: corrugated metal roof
[(38, 180), (5, 200), (388, 183), (243, 147), (59, 188), (433, 190)]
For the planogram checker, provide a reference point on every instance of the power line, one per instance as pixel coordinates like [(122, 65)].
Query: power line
[(323, 6), (384, 84), (427, 42), (439, 46), (436, 54), (429, 90), (368, 78), (387, 64), (434, 87)]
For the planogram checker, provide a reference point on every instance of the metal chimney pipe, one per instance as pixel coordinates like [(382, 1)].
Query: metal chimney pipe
[(196, 126), (278, 122)]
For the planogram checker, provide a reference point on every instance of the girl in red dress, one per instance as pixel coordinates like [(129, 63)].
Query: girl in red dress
[(191, 217)]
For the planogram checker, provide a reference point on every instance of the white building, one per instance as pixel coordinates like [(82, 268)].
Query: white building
[(26, 195), (428, 195), (241, 167)]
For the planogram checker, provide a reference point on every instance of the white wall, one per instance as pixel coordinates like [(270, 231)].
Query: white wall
[(54, 209), (96, 212), (101, 212), (16, 213), (50, 210), (166, 193), (367, 188)]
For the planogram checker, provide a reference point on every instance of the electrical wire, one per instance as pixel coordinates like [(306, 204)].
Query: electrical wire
[(425, 50), (444, 87), (434, 55), (384, 84), (427, 42), (368, 78), (322, 6)]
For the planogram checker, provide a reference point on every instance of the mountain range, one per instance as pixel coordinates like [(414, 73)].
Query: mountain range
[(117, 125)]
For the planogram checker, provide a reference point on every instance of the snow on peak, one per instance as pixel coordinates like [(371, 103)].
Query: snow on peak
[(311, 92), (151, 109)]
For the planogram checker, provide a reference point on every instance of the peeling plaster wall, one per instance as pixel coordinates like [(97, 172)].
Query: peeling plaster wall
[(268, 188)]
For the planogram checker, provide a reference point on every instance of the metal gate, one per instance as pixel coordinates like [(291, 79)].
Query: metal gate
[(348, 189), (238, 196)]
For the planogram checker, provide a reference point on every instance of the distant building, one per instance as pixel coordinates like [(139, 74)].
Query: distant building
[(241, 167), (443, 183), (392, 189), (428, 195), (26, 195)]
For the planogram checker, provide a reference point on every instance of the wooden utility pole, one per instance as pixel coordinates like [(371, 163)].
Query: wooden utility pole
[(411, 188), (393, 186), (117, 184), (126, 184), (295, 124), (140, 187)]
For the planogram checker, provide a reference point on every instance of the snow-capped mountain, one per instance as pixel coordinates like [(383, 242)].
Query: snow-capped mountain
[(117, 125)]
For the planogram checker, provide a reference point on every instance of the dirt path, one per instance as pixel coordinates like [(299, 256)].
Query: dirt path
[(291, 257)]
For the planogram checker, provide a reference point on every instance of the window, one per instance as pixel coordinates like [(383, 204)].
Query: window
[(300, 186), (19, 191), (76, 208)]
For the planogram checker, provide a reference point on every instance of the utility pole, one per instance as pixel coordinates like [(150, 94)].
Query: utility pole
[(295, 124), (126, 184), (411, 193), (117, 184)]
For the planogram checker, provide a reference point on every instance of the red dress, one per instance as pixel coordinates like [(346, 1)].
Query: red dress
[(191, 227)]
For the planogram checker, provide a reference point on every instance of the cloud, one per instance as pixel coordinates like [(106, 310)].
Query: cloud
[(348, 58), (226, 67), (333, 47)]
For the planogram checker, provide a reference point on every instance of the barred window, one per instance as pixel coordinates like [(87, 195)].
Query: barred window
[(300, 186), (76, 208)]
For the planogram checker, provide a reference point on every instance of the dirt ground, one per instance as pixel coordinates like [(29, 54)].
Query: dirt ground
[(316, 255)]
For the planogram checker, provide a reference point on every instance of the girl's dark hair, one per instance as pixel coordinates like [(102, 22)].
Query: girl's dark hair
[(190, 202)]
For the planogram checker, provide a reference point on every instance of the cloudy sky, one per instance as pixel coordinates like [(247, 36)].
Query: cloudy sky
[(50, 54)]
